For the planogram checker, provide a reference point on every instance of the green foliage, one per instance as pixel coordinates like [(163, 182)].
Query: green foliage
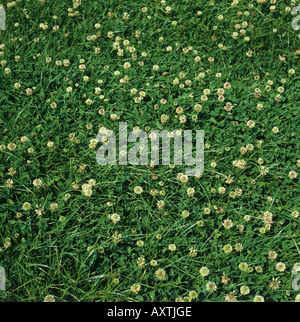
[(67, 244)]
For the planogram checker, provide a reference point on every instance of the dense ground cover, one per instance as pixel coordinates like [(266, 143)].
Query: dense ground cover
[(72, 230)]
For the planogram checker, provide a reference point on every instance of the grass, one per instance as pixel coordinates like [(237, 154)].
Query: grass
[(65, 243)]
